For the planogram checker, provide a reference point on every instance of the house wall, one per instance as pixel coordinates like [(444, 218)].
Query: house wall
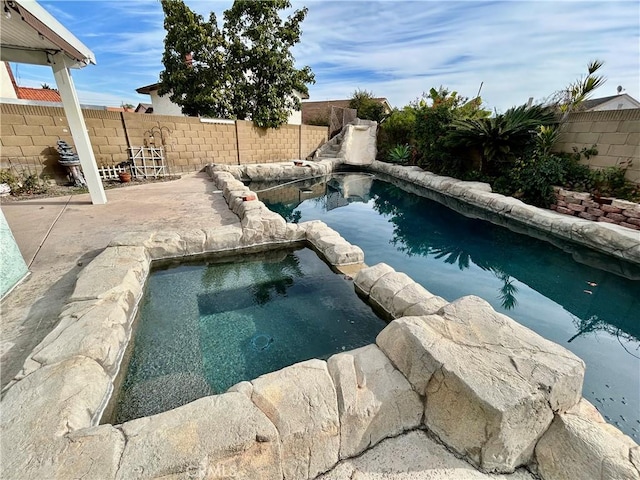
[(6, 85), (620, 103), (162, 105), (29, 134), (616, 134)]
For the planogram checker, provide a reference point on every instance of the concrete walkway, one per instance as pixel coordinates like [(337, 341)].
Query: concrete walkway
[(58, 236)]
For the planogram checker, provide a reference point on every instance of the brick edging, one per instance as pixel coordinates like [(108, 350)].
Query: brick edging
[(609, 210)]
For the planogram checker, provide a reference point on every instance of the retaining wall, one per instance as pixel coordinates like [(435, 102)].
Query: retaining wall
[(616, 133), (29, 135), (619, 212)]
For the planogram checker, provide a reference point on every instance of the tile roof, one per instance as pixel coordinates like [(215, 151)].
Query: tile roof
[(42, 94)]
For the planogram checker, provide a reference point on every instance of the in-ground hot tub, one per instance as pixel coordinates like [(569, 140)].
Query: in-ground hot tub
[(203, 327)]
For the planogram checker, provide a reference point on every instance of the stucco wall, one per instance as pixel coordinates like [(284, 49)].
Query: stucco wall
[(29, 134), (616, 133), (6, 86), (162, 105)]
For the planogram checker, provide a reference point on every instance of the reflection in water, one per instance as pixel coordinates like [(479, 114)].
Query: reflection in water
[(564, 292)]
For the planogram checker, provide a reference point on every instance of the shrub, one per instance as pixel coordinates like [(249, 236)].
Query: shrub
[(396, 129), (22, 183), (400, 154), (435, 114), (367, 106), (532, 180)]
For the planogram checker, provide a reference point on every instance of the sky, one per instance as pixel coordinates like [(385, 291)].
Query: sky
[(515, 49)]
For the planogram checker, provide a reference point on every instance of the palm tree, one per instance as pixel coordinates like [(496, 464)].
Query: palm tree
[(504, 137), (570, 98)]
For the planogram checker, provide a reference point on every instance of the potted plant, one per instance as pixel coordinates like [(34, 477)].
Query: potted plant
[(125, 176)]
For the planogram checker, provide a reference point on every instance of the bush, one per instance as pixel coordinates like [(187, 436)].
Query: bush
[(532, 180), (400, 154), (397, 129), (24, 183), (367, 106)]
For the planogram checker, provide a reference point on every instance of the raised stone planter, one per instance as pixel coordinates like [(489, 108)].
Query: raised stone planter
[(609, 210)]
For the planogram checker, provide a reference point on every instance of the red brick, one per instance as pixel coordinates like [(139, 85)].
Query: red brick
[(576, 208), (628, 225), (564, 210), (605, 219), (590, 204), (617, 217), (587, 216), (596, 212), (610, 209)]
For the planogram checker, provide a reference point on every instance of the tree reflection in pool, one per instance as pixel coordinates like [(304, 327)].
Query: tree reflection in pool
[(564, 292)]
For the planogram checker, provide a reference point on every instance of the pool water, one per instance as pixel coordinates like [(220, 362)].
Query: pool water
[(205, 327), (591, 312)]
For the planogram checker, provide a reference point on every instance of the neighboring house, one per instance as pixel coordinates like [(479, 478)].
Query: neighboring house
[(144, 108), (162, 104), (315, 112), (621, 101), (10, 89)]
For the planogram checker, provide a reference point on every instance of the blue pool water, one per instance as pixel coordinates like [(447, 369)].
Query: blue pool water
[(591, 312), (207, 326)]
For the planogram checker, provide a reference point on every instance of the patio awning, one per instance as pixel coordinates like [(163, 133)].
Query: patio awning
[(30, 34)]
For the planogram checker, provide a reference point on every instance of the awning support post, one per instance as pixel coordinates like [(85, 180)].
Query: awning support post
[(78, 128)]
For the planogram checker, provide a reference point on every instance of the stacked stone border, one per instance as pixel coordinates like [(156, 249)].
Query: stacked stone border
[(615, 240), (609, 210), (491, 390)]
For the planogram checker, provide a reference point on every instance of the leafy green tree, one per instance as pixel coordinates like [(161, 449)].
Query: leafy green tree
[(435, 112), (194, 72), (260, 60), (245, 71), (367, 106)]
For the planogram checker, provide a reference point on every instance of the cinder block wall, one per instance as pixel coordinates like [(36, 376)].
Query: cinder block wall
[(311, 138), (259, 145), (29, 135), (616, 134)]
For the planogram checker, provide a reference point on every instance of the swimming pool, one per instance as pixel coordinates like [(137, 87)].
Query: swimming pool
[(205, 326), (594, 313)]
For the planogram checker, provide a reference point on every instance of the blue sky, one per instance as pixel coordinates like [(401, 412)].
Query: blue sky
[(396, 49)]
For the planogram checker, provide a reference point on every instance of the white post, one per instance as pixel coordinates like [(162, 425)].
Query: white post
[(78, 129)]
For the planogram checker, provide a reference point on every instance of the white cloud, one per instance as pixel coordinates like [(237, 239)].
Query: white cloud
[(395, 49)]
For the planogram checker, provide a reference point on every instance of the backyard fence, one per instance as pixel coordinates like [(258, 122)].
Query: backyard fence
[(340, 117), (111, 172)]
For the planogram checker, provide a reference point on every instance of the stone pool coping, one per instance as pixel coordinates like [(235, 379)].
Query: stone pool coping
[(300, 421), (607, 238)]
